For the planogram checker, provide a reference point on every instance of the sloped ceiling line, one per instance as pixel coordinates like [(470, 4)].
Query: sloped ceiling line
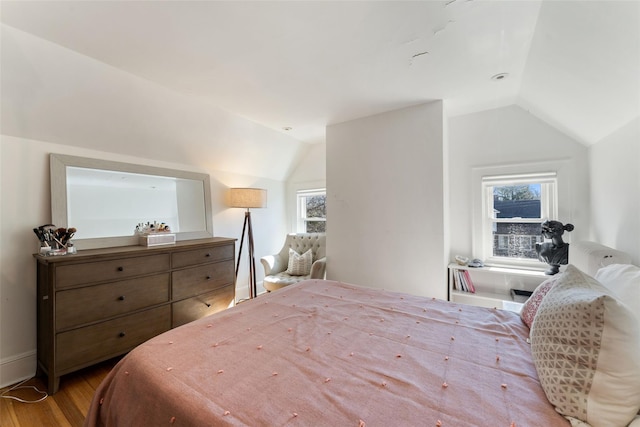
[(305, 65)]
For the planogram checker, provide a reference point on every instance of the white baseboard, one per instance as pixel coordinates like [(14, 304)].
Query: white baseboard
[(242, 291), (14, 369)]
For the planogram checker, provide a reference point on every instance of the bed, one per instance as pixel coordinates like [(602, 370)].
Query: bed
[(329, 353)]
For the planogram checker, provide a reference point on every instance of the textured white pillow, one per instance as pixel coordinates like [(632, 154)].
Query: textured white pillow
[(585, 346), (624, 281), (299, 265)]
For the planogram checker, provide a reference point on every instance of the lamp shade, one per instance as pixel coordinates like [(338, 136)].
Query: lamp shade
[(248, 198)]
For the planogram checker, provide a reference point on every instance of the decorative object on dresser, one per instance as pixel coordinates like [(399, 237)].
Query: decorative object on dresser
[(154, 234), (54, 240), (248, 198), (101, 303)]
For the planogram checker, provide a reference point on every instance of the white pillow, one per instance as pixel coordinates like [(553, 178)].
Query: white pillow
[(299, 265), (624, 281), (586, 346)]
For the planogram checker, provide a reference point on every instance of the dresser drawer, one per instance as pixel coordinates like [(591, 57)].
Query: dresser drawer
[(83, 320), (197, 280), (200, 256), (98, 342), (99, 271), (194, 308), (78, 306)]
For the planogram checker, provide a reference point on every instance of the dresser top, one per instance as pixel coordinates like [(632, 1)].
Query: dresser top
[(87, 254)]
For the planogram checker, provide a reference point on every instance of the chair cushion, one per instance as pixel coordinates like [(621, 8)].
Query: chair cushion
[(299, 265), (280, 280)]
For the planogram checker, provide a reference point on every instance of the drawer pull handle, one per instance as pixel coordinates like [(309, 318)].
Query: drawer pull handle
[(120, 268), (121, 298), (204, 302), (207, 254), (121, 334), (208, 277)]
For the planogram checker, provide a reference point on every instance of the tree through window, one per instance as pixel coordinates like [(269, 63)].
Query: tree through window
[(515, 207), (312, 211)]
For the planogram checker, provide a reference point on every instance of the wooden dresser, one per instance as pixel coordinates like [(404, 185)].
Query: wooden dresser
[(101, 303)]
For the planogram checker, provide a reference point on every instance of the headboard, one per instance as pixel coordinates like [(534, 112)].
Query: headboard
[(590, 256)]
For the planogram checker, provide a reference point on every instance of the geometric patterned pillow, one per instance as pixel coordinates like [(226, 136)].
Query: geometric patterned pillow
[(299, 265), (586, 346), (530, 307)]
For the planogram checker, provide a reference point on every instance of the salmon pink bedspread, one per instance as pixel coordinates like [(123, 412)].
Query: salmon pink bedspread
[(324, 353)]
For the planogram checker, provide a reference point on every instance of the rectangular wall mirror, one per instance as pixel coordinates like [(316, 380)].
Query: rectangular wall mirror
[(105, 200)]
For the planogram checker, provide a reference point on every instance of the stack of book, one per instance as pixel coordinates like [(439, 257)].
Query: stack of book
[(462, 281)]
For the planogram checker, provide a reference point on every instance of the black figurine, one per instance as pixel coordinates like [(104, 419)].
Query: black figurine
[(556, 252)]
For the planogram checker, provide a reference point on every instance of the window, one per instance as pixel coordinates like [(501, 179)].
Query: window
[(514, 207), (312, 211)]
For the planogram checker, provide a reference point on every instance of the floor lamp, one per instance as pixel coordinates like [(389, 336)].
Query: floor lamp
[(248, 198)]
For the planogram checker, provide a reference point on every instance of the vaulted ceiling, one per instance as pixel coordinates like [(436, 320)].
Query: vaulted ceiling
[(304, 65)]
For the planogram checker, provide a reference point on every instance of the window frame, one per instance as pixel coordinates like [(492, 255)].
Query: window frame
[(301, 212), (548, 210)]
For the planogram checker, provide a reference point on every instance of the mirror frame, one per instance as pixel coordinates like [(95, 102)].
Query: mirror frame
[(58, 171)]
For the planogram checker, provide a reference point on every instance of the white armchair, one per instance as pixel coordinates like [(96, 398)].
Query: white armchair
[(275, 266)]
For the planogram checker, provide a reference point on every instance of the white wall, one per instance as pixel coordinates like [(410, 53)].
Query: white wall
[(57, 100), (53, 94), (385, 198), (615, 190), (512, 138), (25, 204), (59, 96)]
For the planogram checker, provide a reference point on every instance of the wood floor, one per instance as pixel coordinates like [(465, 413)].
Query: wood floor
[(67, 407)]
